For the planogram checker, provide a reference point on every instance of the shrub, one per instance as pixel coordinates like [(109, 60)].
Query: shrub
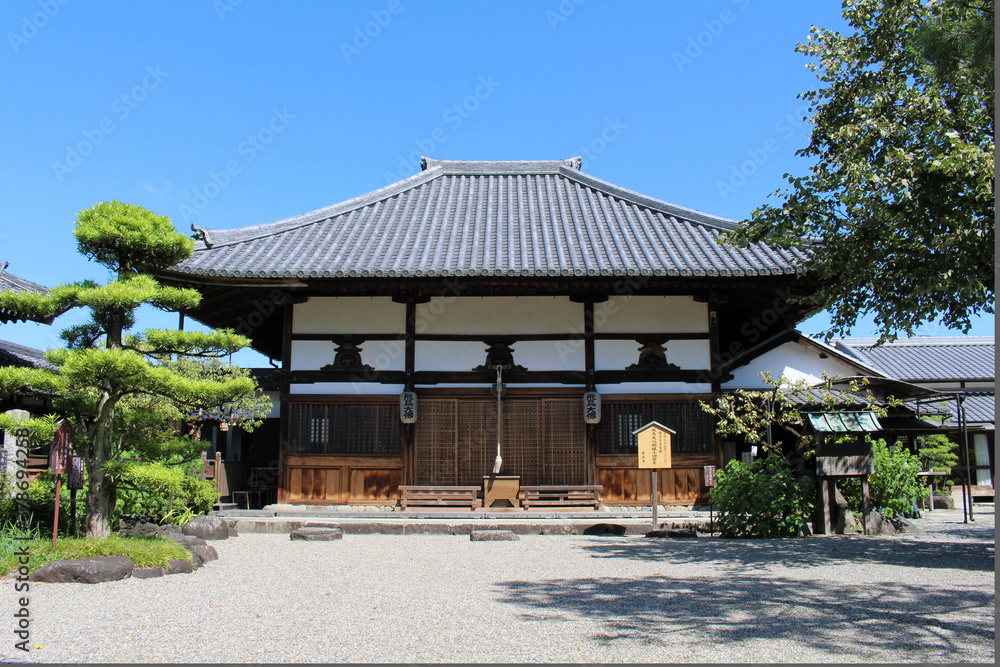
[(762, 499), (895, 486), (159, 491), (937, 451)]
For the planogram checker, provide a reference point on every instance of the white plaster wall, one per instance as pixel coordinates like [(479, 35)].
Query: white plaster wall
[(433, 355), (794, 361), (383, 355), (650, 314), (654, 388), (982, 450), (325, 314), (499, 315), (464, 356), (275, 397), (619, 354), (347, 388)]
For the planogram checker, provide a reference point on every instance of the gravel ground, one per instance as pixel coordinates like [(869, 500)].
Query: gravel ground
[(435, 598)]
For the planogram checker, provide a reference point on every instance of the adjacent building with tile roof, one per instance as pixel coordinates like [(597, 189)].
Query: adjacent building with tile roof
[(963, 365)]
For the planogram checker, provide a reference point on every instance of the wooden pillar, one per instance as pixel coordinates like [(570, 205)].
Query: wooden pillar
[(590, 364), (825, 492), (713, 347), (866, 504), (409, 430), (285, 423)]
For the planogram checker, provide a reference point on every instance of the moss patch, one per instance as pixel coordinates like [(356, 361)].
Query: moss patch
[(144, 551)]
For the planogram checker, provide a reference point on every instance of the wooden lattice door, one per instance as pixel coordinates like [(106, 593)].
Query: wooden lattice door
[(543, 441)]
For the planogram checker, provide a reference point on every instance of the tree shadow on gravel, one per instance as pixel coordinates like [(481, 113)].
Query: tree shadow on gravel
[(914, 621), (800, 552)]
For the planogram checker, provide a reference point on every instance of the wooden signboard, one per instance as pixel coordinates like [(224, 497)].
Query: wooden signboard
[(654, 445), (655, 440), (836, 460), (62, 448)]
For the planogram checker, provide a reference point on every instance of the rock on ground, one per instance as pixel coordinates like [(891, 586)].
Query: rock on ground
[(84, 570), (207, 528)]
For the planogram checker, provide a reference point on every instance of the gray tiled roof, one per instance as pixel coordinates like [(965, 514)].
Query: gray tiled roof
[(10, 281), (928, 359), (13, 354), (513, 219), (980, 407)]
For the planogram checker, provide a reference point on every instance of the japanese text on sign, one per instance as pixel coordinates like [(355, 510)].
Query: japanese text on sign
[(62, 448), (655, 442)]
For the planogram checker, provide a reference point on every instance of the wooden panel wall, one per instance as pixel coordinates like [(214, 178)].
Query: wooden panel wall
[(625, 484), (343, 480)]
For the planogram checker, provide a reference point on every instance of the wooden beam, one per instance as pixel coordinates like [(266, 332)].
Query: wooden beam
[(485, 377)]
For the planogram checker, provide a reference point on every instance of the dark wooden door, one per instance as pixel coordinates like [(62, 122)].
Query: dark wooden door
[(542, 440)]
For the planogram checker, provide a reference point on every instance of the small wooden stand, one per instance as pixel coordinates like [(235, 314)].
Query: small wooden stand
[(501, 489)]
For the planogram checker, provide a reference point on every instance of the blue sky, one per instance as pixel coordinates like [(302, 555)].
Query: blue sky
[(232, 113)]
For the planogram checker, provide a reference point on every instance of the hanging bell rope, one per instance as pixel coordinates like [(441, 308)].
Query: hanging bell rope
[(499, 461)]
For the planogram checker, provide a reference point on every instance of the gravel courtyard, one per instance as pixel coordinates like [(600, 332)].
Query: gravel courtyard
[(436, 598)]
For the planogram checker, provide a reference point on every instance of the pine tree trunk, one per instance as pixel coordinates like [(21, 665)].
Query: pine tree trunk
[(100, 491)]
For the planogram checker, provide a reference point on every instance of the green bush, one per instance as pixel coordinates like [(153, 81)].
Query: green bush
[(37, 509), (895, 486), (762, 499), (161, 493)]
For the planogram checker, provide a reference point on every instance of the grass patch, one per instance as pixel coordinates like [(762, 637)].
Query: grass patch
[(144, 551)]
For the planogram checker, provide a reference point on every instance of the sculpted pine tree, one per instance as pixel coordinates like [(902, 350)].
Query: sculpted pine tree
[(898, 209), (105, 366)]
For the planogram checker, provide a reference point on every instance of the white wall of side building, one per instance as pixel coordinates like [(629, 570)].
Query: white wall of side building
[(794, 361)]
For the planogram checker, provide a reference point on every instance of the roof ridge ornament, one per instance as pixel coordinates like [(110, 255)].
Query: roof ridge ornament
[(201, 234)]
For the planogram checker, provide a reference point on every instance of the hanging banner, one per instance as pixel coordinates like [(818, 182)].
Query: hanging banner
[(592, 407), (408, 407)]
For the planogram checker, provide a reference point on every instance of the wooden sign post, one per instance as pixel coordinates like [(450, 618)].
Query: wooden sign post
[(75, 484), (59, 458), (655, 441)]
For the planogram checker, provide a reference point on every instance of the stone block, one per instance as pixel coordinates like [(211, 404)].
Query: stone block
[(612, 529), (556, 529), (207, 528), (84, 570), (427, 529), (372, 528), (180, 567), (673, 533), (467, 528), (316, 534), (493, 536), (147, 572)]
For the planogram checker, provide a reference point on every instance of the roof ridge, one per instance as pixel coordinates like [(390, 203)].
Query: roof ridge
[(526, 166), (668, 208)]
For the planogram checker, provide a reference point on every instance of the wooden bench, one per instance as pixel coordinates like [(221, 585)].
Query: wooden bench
[(980, 492), (439, 496), (562, 495)]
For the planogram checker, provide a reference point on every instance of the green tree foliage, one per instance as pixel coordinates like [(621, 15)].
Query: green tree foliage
[(762, 499), (898, 209), (750, 414), (114, 384), (937, 452), (895, 486)]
